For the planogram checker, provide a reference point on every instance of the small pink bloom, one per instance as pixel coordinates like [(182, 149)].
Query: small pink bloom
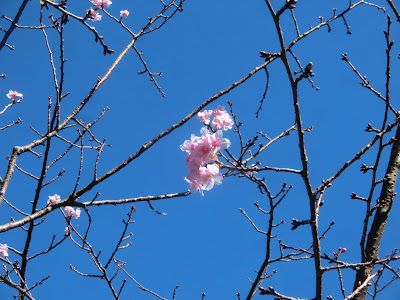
[(98, 3), (189, 146), (106, 3), (218, 142), (205, 116), (68, 210), (13, 95), (222, 120), (194, 186), (102, 3), (76, 213), (71, 212), (343, 250), (3, 250), (53, 199), (66, 230), (208, 176), (124, 13), (93, 15)]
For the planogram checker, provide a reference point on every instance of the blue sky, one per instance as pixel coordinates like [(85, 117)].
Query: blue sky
[(203, 244)]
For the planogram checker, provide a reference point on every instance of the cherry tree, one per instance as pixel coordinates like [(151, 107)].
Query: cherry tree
[(279, 184)]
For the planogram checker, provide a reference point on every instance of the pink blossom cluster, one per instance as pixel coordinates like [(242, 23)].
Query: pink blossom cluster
[(53, 199), (3, 250), (13, 95), (71, 212), (93, 15), (203, 174), (102, 3), (342, 250), (221, 119)]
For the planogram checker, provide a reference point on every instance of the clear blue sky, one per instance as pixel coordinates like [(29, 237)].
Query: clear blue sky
[(203, 244)]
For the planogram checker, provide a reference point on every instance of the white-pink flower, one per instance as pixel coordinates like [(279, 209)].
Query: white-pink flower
[(102, 3), (66, 230), (205, 116), (189, 146), (93, 15), (201, 151), (71, 212), (68, 210), (53, 199), (218, 143), (124, 13), (194, 186), (208, 176), (106, 3), (3, 250), (13, 95), (98, 3), (222, 120), (76, 213)]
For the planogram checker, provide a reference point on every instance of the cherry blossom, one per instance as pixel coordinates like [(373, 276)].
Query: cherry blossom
[(66, 230), (71, 212), (221, 119), (53, 199), (208, 176), (76, 213), (102, 3), (98, 3), (205, 116), (106, 3), (93, 15), (124, 13), (203, 174), (218, 142), (3, 250), (13, 95)]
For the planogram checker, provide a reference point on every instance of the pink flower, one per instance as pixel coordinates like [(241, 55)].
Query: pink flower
[(98, 3), (71, 212), (66, 230), (3, 250), (102, 3), (189, 146), (208, 176), (222, 120), (124, 13), (106, 3), (194, 186), (13, 95), (53, 199), (218, 143), (343, 250), (205, 116), (76, 213), (201, 151), (93, 15)]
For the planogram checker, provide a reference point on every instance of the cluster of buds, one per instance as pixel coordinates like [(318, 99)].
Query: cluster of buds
[(340, 251)]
